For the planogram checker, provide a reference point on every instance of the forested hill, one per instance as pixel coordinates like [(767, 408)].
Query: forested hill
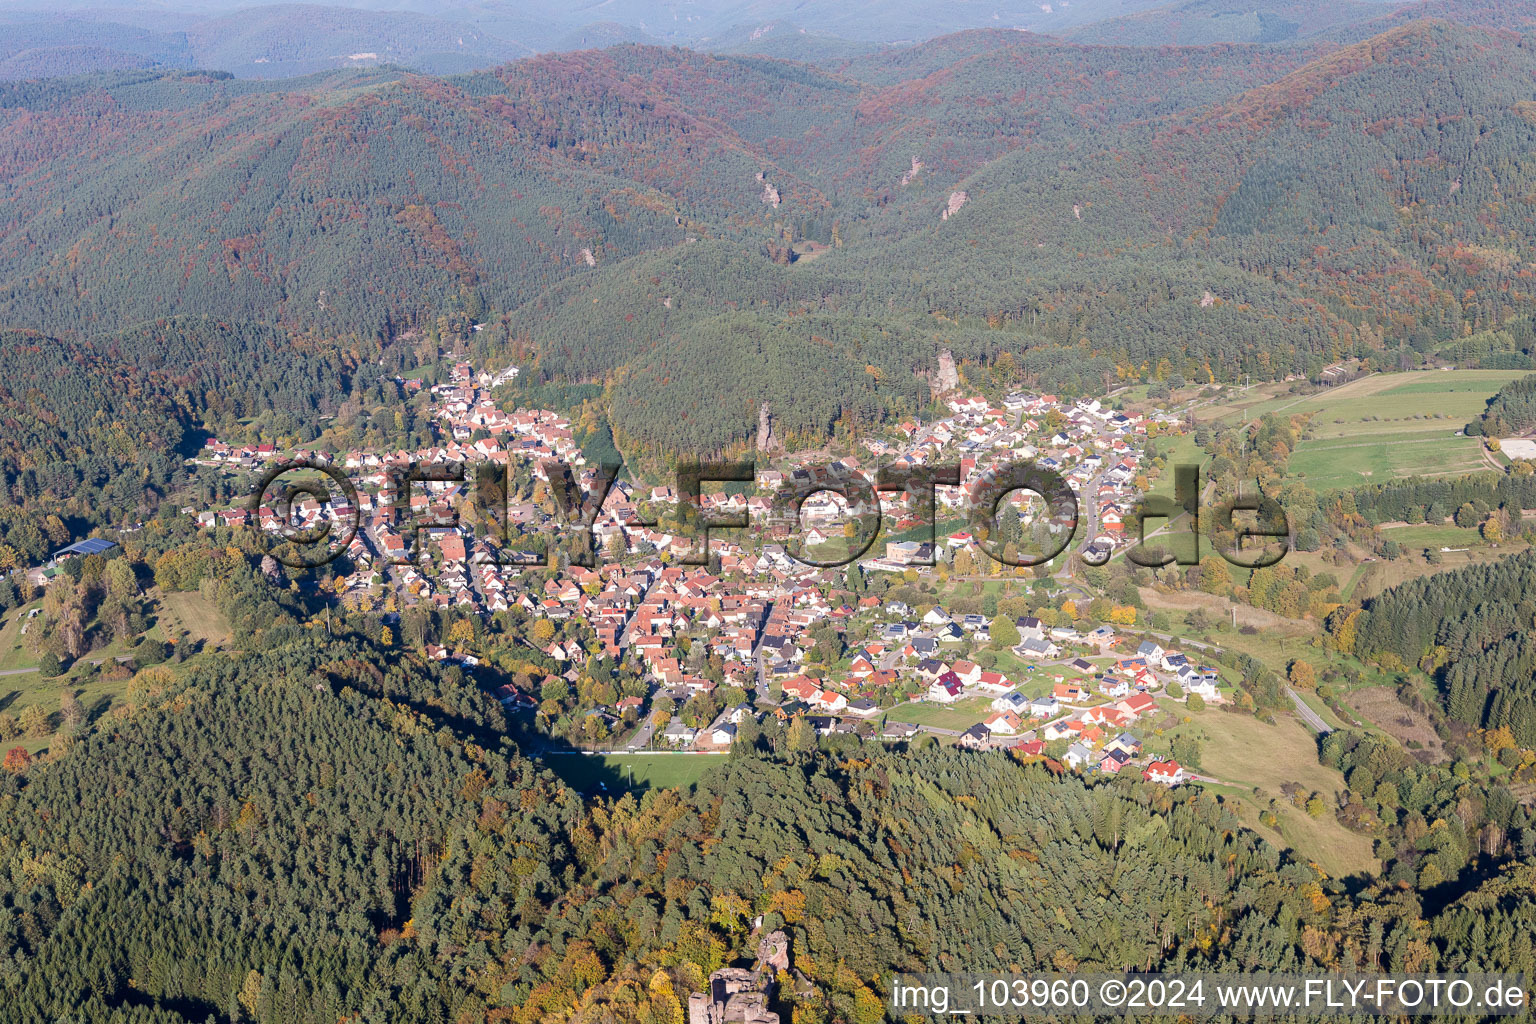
[(1470, 629), (1283, 22), (97, 429), (323, 831), (1511, 411), (389, 193), (634, 215)]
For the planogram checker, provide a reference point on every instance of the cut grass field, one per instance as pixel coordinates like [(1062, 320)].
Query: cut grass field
[(1250, 755), (621, 772), (960, 715), (1184, 452), (1423, 535), (192, 613), (1414, 398)]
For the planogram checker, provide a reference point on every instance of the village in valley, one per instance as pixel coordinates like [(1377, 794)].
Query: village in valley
[(694, 654)]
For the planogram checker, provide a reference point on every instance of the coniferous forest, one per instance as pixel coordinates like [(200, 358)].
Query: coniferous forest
[(340, 836)]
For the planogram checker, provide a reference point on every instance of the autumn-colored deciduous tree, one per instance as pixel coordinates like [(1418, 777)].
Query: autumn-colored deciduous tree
[(1302, 675), (17, 760), (460, 633), (1214, 577), (34, 721)]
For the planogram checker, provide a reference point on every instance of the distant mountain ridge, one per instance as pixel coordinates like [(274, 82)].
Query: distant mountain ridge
[(632, 216)]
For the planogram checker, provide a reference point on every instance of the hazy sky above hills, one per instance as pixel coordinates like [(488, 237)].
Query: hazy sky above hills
[(271, 39), (665, 20)]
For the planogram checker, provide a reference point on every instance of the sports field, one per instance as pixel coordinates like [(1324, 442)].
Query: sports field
[(1390, 426), (613, 774)]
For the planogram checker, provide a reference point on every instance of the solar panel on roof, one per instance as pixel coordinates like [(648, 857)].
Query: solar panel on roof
[(89, 546)]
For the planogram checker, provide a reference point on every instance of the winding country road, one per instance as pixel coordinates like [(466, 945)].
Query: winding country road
[(1307, 715)]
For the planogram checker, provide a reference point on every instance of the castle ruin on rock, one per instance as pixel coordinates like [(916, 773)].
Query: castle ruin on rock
[(738, 995)]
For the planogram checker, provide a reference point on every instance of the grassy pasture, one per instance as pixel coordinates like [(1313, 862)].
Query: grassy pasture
[(13, 650), (194, 613), (1375, 458), (1391, 426), (1247, 753)]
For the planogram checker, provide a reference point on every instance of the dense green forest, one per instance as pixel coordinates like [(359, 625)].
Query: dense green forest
[(1470, 628), (230, 800), (1511, 411), (97, 428)]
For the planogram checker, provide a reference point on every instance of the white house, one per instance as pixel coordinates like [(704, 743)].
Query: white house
[(1079, 755), (946, 689), (1034, 647), (1015, 702)]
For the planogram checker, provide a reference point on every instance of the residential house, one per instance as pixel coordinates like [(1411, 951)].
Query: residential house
[(1168, 773), (678, 734), (1044, 707), (1069, 693), (1035, 647), (863, 707), (993, 682), (1014, 701), (1005, 723), (1113, 759), (1114, 686), (946, 689), (975, 737)]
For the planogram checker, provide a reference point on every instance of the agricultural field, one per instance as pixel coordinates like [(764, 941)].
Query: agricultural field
[(1425, 535), (1183, 452), (1343, 464), (1390, 426)]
